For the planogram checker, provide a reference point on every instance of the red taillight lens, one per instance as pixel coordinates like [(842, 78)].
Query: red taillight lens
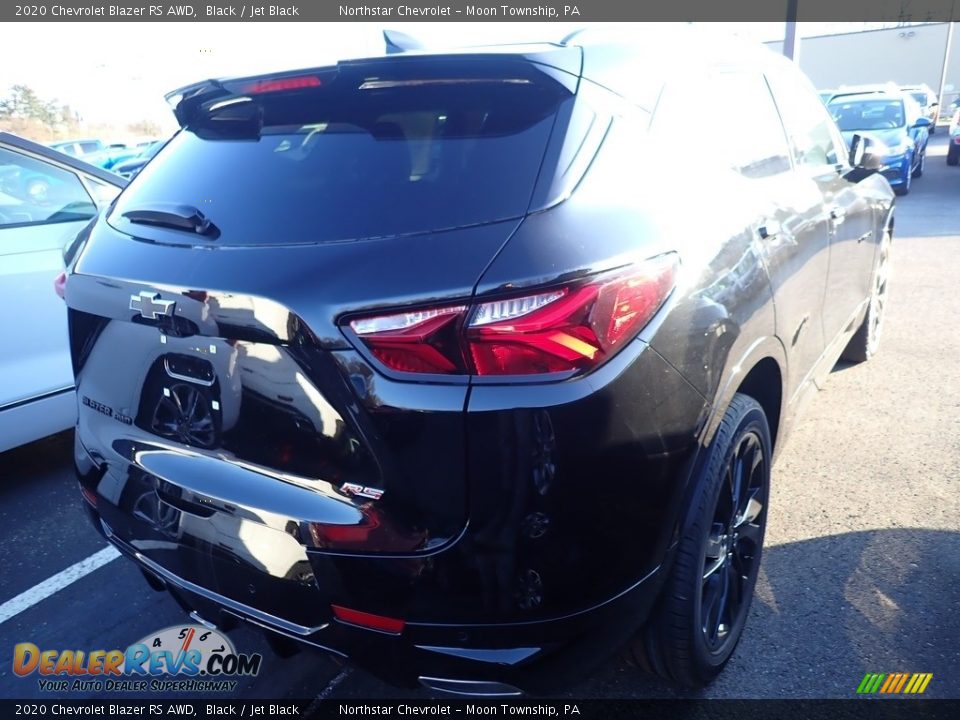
[(576, 331), (565, 330), (368, 620), (424, 341), (60, 285)]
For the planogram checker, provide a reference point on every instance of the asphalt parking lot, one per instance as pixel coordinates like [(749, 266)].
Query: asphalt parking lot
[(861, 571)]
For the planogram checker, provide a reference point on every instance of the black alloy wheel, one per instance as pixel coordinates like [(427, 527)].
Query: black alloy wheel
[(705, 602), (733, 545)]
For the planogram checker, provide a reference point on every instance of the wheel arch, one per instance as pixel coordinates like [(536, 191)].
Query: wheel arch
[(760, 373)]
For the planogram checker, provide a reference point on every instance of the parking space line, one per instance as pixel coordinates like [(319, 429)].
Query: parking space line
[(55, 583), (312, 710)]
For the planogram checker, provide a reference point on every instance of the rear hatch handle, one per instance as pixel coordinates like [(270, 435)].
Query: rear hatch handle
[(175, 217)]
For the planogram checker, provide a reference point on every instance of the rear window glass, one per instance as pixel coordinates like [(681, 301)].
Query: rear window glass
[(378, 149)]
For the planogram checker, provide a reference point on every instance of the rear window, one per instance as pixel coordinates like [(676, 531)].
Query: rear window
[(920, 97), (378, 149)]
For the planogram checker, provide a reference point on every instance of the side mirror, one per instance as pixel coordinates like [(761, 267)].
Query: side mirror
[(862, 153), (922, 122)]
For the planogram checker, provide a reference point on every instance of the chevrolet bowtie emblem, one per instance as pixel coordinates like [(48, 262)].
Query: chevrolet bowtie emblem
[(151, 306)]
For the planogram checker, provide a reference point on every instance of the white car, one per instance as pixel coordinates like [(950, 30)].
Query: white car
[(46, 199), (953, 149), (927, 98)]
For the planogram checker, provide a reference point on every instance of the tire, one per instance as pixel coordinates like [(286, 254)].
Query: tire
[(866, 340), (923, 159), (953, 154), (700, 615)]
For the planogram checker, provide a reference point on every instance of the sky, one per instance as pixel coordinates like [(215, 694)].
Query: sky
[(118, 72)]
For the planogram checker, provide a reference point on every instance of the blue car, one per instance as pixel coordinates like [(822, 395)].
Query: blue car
[(896, 127), (129, 168)]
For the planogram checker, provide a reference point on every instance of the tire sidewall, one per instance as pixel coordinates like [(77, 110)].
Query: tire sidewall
[(744, 415)]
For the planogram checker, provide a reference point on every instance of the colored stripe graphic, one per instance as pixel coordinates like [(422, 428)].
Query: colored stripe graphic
[(870, 683), (903, 681), (891, 680), (894, 683)]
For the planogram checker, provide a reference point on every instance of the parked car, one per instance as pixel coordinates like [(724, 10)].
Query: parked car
[(405, 358), (78, 148), (46, 198), (896, 125), (926, 98), (112, 155), (953, 149), (129, 168)]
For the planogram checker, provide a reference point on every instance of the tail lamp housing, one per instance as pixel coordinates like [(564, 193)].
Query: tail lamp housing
[(554, 332)]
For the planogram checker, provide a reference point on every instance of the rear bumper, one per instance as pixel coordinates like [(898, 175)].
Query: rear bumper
[(575, 490), (477, 660)]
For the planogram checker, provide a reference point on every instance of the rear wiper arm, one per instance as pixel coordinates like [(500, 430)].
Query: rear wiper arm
[(175, 217)]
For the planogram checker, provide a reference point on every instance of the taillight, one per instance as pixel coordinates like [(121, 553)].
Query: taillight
[(562, 330), (424, 341)]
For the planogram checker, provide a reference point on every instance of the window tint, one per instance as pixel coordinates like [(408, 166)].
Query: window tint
[(379, 150), (812, 133), (737, 112), (89, 147), (33, 192)]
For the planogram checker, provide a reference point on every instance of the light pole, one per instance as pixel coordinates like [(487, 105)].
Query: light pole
[(791, 45), (946, 58)]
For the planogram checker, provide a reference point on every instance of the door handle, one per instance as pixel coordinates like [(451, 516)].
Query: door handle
[(768, 229), (838, 214)]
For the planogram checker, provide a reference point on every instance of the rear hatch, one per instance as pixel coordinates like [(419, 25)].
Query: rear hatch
[(234, 424)]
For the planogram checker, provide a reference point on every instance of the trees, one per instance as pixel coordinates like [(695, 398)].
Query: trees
[(22, 103)]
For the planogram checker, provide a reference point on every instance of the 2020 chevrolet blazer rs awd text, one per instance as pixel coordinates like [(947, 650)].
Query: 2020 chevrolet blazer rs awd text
[(471, 367)]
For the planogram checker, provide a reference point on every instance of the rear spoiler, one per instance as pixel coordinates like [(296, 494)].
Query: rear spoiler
[(188, 102)]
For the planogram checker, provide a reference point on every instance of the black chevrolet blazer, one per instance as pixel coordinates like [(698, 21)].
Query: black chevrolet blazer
[(471, 367)]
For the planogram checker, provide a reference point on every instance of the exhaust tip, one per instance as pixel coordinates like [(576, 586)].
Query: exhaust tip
[(470, 688)]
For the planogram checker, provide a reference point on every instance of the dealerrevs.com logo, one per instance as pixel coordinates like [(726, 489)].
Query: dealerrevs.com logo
[(187, 658)]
